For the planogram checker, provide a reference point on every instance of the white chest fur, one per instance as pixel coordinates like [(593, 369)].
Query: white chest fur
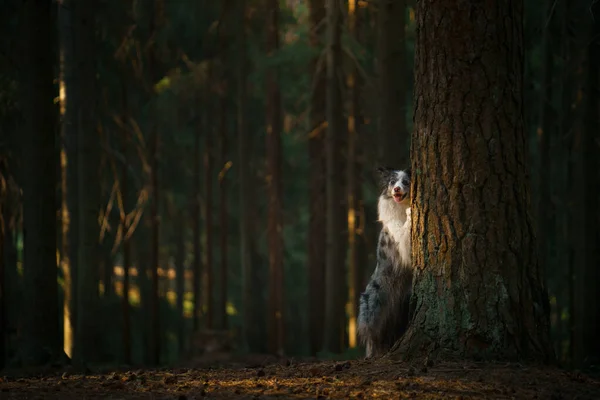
[(397, 219)]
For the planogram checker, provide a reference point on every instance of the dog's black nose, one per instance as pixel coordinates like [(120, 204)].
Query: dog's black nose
[(396, 189)]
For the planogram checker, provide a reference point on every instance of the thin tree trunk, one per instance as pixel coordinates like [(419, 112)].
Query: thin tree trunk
[(180, 282), (477, 284), (391, 61), (274, 188), (334, 302), (244, 175), (353, 182), (3, 285), (156, 20), (88, 328), (565, 126), (41, 341), (126, 142), (547, 124), (197, 266), (12, 284), (155, 243), (142, 252), (208, 225), (316, 230), (68, 192), (253, 329), (223, 212)]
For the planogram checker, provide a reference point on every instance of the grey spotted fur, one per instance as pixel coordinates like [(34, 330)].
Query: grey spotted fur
[(384, 305)]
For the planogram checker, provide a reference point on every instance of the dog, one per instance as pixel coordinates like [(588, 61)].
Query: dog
[(384, 305)]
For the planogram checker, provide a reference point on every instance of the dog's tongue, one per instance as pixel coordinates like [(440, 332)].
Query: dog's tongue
[(397, 198)]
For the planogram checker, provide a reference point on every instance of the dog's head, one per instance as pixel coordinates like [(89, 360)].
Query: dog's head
[(395, 184)]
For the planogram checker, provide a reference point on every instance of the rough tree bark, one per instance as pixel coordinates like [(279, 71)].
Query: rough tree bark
[(391, 61), (334, 283), (316, 154), (478, 291), (274, 187), (41, 341)]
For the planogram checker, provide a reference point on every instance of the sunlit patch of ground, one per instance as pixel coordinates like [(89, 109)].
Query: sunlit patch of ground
[(284, 379)]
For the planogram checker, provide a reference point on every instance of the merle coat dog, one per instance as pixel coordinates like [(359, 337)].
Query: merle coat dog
[(384, 305)]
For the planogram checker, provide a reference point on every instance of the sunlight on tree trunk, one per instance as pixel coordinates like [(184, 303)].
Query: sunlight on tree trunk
[(352, 171), (66, 63), (478, 289)]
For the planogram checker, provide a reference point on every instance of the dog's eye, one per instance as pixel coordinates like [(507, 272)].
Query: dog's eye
[(405, 182)]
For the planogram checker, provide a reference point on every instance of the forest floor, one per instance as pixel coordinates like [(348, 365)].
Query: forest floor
[(261, 378)]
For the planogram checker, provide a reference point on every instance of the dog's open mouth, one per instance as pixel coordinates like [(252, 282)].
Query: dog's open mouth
[(399, 197)]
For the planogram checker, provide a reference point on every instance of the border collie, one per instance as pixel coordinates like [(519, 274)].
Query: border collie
[(384, 305)]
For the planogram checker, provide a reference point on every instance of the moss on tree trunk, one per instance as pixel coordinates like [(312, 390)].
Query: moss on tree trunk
[(478, 291)]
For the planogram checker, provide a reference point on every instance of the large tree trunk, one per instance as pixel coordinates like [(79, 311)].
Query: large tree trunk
[(41, 334), (334, 299), (478, 288), (587, 276), (391, 60), (88, 158), (316, 154), (274, 188)]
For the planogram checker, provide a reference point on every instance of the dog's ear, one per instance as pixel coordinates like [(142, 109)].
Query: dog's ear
[(384, 174), (408, 172), (384, 171)]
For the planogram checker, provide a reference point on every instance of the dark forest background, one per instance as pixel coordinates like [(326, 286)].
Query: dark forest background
[(182, 149)]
